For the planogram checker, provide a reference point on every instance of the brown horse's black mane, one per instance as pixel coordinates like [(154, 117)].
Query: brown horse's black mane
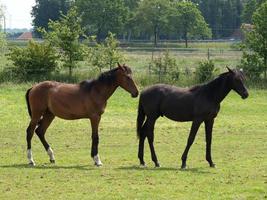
[(107, 77)]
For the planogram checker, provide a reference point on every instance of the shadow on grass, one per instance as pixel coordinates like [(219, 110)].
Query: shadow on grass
[(49, 166), (188, 170)]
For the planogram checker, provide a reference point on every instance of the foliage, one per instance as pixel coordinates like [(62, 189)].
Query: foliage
[(223, 16), (165, 66), (187, 19), (105, 54), (249, 8), (152, 16), (103, 16), (65, 34), (256, 39), (35, 61), (205, 71), (45, 10), (253, 65)]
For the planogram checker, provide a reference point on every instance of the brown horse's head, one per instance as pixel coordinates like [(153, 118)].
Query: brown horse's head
[(125, 80), (237, 82)]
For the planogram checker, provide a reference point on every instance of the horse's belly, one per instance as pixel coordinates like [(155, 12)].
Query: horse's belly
[(179, 118)]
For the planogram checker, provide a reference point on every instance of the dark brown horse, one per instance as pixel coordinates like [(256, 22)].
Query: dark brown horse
[(197, 104), (87, 99)]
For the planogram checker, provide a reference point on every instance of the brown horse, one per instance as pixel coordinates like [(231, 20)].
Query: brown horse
[(197, 104), (87, 99)]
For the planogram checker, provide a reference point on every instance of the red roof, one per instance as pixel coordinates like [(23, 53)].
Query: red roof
[(25, 36)]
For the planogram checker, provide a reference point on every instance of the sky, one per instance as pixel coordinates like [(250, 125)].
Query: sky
[(18, 13)]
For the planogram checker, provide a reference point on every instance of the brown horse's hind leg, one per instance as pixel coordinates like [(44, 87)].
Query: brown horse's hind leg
[(30, 131), (40, 131)]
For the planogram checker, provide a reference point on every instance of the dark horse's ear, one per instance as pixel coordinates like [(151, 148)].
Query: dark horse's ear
[(231, 71), (119, 65)]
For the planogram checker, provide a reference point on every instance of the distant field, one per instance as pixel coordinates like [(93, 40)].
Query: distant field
[(239, 150), (139, 54)]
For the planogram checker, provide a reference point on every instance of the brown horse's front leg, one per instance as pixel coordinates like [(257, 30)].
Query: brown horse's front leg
[(208, 130), (95, 139)]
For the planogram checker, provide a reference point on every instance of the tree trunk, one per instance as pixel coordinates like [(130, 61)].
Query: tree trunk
[(265, 67), (155, 36), (129, 35), (186, 39)]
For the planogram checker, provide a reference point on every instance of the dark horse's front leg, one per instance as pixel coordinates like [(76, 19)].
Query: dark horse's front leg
[(95, 139), (208, 129), (190, 140)]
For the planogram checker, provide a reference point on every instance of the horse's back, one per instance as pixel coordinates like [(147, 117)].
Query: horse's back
[(173, 102)]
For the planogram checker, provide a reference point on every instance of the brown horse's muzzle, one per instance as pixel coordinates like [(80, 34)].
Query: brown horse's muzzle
[(134, 95)]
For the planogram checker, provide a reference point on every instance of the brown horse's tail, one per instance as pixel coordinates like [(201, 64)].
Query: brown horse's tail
[(140, 119), (28, 103)]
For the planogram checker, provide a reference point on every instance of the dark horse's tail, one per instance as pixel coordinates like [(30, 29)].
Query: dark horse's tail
[(140, 119), (28, 103)]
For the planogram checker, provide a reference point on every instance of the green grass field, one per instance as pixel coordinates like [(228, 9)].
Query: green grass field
[(239, 151)]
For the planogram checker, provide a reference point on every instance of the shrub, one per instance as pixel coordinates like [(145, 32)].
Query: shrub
[(105, 54), (35, 61), (205, 71), (252, 65), (165, 66)]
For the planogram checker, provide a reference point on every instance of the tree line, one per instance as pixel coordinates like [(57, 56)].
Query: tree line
[(152, 19)]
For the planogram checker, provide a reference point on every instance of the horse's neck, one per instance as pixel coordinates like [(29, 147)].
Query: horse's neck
[(219, 88), (105, 91)]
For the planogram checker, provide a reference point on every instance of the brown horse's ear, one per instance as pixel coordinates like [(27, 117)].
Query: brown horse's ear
[(121, 67), (230, 70)]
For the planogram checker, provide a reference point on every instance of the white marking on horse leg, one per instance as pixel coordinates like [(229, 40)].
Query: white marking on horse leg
[(51, 154), (30, 157), (97, 160)]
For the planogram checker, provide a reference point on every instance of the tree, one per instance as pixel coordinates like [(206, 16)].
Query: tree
[(105, 53), (65, 34), (256, 39), (188, 21), (46, 10), (249, 8), (102, 16), (152, 16)]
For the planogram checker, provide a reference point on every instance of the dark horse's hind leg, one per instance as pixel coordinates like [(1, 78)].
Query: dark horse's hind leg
[(148, 131), (190, 140), (95, 140), (208, 130), (40, 131)]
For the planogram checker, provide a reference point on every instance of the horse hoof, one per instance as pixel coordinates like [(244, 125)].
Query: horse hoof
[(183, 167), (143, 165), (52, 161), (98, 164), (213, 165), (157, 165), (31, 164)]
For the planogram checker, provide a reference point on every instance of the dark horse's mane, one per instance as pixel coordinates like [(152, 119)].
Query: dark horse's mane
[(215, 83), (107, 77)]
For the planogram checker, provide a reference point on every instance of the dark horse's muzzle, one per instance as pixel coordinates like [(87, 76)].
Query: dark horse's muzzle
[(245, 95)]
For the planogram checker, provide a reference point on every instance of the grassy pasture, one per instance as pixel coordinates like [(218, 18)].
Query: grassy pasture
[(239, 150)]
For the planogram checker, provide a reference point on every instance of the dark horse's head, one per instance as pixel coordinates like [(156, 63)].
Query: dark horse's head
[(237, 82), (125, 80)]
